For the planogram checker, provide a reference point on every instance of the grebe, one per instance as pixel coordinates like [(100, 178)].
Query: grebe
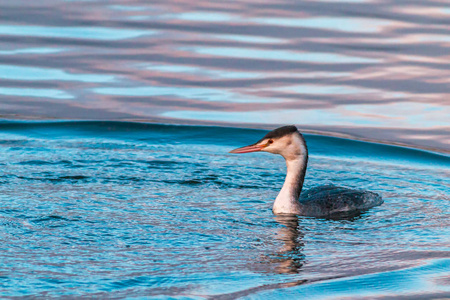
[(320, 201)]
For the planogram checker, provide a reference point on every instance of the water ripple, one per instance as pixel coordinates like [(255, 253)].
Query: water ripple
[(129, 202), (97, 33), (122, 209), (177, 61)]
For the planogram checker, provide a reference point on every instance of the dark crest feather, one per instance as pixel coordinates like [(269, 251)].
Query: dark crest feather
[(279, 132)]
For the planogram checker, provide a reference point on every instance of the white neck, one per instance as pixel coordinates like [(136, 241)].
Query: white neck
[(287, 200), (295, 152)]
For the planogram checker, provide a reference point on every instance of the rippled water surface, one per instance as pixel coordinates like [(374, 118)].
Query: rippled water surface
[(377, 69), (110, 209), (120, 209)]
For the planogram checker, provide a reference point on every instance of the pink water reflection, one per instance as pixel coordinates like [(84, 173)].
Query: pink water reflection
[(376, 68)]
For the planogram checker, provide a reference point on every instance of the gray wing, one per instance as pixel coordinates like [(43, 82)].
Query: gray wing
[(330, 199)]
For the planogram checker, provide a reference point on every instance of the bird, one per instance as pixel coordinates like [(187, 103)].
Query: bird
[(321, 201)]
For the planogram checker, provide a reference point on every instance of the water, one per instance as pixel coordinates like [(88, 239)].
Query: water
[(107, 209), (376, 69), (117, 209)]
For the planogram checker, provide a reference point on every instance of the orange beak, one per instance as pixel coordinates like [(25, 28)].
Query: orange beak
[(248, 149)]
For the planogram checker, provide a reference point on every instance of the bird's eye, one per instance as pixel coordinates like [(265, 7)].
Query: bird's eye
[(269, 141)]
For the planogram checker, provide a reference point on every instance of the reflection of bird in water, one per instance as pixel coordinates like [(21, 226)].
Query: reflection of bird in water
[(290, 258), (323, 201)]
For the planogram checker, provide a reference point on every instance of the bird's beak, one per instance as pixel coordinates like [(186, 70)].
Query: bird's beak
[(247, 149)]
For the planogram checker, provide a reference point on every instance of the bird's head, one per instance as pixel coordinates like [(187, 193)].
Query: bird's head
[(286, 141)]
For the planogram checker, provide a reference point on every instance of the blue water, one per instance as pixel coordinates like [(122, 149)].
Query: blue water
[(119, 209), (109, 209)]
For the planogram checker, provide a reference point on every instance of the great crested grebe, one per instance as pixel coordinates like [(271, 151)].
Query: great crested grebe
[(320, 201)]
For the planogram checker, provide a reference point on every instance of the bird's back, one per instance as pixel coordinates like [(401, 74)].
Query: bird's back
[(328, 200)]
